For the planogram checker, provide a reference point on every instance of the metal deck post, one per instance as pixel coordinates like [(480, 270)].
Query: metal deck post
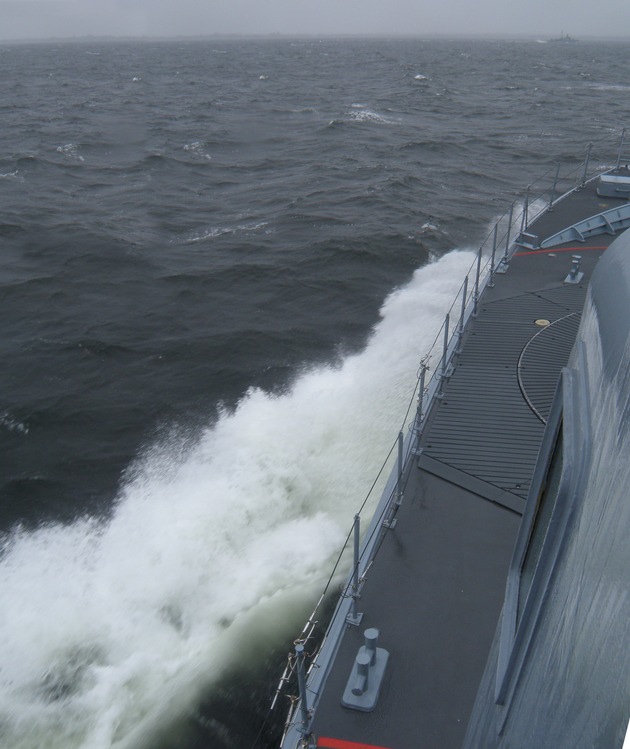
[(460, 326), (524, 216), (443, 373), (554, 187), (299, 653), (423, 374), (494, 252), (621, 144), (419, 415), (354, 617), (587, 162), (476, 294), (504, 260)]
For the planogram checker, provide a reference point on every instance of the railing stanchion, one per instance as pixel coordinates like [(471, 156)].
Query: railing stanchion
[(421, 386), (524, 216), (460, 327), (621, 144), (354, 617), (587, 162), (443, 368), (419, 414), (494, 252), (299, 653), (476, 294), (507, 236), (554, 187)]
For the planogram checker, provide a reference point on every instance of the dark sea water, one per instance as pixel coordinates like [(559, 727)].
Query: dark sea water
[(211, 319)]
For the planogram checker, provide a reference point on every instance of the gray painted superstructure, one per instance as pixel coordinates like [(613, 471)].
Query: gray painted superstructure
[(559, 678), (438, 553)]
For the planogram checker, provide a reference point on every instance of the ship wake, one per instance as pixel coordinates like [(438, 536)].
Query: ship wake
[(109, 629)]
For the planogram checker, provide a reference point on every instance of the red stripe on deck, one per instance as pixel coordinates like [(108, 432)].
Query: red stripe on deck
[(558, 249), (325, 743)]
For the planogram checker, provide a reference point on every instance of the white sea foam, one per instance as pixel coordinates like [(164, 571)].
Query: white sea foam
[(367, 115), (428, 227), (71, 151), (218, 231), (198, 149), (108, 628), (615, 87), (12, 424)]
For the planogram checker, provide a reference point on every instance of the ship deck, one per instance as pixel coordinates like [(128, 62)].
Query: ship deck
[(436, 586)]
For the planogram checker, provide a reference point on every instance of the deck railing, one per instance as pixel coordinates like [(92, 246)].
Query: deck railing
[(493, 256)]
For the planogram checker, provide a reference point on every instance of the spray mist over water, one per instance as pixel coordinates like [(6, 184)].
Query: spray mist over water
[(108, 628)]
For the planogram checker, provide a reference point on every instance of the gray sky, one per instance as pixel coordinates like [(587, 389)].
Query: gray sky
[(24, 19)]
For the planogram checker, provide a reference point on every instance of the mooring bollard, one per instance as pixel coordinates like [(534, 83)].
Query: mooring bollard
[(575, 275), (371, 643), (362, 662), (365, 679)]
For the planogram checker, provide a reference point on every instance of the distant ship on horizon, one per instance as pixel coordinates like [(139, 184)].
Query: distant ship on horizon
[(564, 38)]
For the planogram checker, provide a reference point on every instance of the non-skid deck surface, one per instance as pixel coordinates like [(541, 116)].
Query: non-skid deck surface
[(490, 421)]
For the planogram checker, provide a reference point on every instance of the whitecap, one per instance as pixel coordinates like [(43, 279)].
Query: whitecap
[(198, 148), (609, 87), (71, 150), (367, 115), (219, 231), (421, 77), (11, 424)]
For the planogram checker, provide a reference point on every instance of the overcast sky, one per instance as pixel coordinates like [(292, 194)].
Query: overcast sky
[(28, 19)]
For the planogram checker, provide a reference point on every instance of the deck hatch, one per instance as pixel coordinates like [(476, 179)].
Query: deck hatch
[(551, 345)]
